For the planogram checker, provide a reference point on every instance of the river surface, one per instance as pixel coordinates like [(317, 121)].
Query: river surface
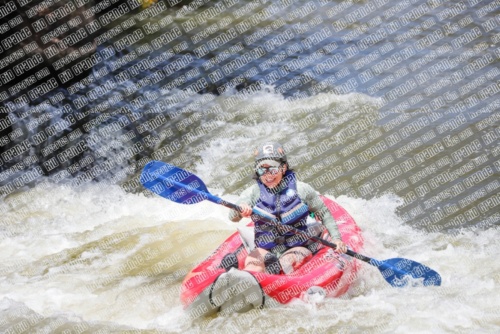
[(388, 107)]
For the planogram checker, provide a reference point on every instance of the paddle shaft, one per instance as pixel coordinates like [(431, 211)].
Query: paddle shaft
[(270, 220)]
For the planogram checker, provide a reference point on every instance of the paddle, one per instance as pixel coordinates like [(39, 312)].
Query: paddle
[(183, 187)]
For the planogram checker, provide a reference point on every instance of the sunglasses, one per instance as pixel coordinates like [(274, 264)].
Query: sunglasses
[(272, 169)]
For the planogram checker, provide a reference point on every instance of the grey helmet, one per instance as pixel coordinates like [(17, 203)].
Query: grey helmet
[(270, 151)]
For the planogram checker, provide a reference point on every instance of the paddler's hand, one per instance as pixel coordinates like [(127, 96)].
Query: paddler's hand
[(246, 210), (341, 247)]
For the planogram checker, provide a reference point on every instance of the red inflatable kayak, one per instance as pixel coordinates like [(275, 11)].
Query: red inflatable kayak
[(209, 288)]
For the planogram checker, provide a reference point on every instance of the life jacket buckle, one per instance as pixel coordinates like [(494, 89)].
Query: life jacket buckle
[(280, 240)]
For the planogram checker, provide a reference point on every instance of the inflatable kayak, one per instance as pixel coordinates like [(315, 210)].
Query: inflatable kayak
[(209, 288)]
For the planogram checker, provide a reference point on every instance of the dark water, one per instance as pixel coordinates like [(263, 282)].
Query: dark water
[(389, 106)]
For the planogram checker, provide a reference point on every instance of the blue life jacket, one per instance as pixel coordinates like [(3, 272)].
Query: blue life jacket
[(284, 204)]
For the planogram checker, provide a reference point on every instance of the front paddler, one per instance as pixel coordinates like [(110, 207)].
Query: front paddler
[(293, 203)]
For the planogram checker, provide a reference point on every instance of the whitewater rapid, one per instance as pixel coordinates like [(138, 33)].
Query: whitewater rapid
[(98, 258)]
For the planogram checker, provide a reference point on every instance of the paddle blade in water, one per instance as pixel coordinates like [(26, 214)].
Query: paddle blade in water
[(400, 272), (173, 183)]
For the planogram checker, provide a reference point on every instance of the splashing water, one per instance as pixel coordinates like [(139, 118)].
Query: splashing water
[(90, 259)]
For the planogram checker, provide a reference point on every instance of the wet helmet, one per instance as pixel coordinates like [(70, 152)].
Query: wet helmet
[(269, 153)]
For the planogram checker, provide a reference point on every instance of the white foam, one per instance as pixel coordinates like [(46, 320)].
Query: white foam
[(466, 263)]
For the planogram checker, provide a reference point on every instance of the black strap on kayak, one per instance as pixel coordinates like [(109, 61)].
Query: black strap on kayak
[(210, 294), (230, 260)]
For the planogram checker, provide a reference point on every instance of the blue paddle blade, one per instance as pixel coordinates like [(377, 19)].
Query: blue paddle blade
[(173, 183), (401, 272)]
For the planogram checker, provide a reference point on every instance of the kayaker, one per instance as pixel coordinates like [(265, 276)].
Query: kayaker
[(292, 202)]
